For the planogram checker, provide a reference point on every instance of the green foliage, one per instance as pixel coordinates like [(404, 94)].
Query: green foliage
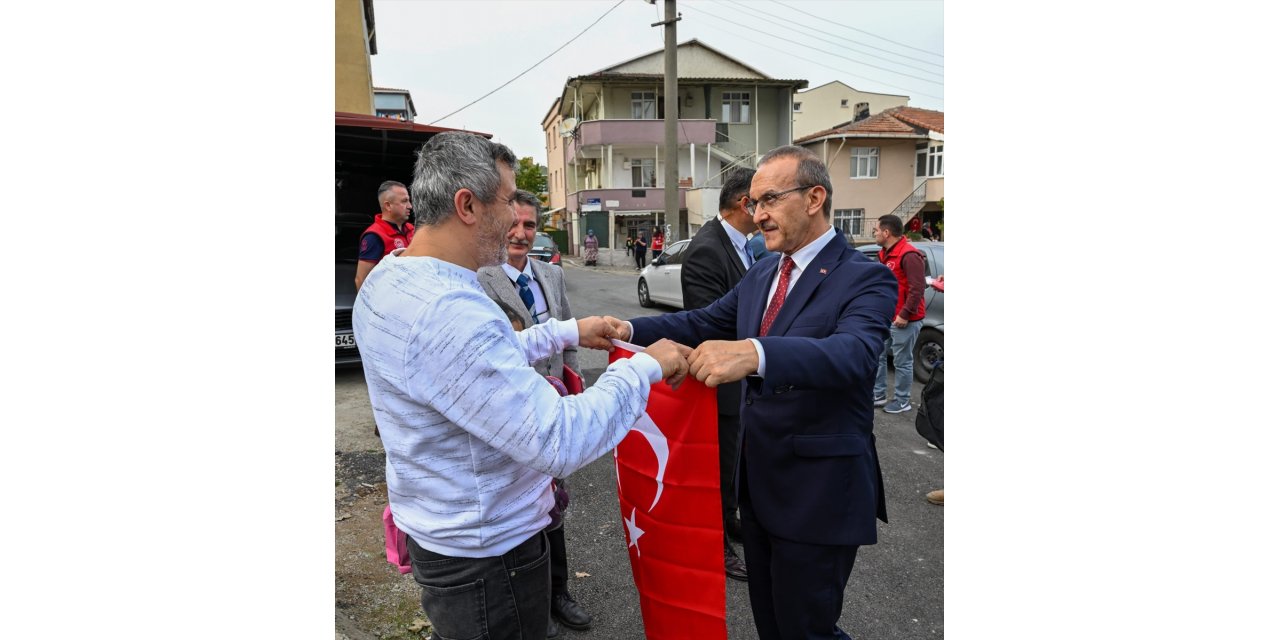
[(531, 176)]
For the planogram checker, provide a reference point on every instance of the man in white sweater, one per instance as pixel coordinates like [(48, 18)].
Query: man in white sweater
[(473, 434)]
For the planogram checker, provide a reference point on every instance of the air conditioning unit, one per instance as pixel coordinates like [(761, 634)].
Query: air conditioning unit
[(626, 164)]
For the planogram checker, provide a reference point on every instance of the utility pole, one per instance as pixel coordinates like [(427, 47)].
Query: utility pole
[(671, 161)]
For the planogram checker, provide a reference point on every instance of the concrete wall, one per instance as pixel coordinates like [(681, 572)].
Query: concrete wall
[(556, 179), (353, 78), (878, 196), (821, 108)]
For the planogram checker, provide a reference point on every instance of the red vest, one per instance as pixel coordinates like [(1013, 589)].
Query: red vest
[(391, 239), (657, 242), (893, 260)]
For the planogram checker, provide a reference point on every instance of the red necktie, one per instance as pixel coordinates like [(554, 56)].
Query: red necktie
[(775, 304)]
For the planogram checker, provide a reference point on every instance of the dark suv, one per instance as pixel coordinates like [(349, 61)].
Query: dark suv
[(346, 240)]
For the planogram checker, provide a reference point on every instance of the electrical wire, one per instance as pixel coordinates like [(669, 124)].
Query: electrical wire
[(534, 64), (808, 29), (801, 44), (859, 30), (827, 66)]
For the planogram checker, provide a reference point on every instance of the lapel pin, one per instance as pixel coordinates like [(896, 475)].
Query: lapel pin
[(822, 271)]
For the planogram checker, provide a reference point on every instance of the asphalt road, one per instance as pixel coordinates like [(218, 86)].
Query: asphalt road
[(895, 591)]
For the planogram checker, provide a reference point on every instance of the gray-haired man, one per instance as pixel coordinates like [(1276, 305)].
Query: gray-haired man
[(473, 434)]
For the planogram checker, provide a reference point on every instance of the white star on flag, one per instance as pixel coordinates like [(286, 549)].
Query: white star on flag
[(633, 532)]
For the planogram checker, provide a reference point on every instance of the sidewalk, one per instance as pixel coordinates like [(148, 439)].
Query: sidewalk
[(611, 260)]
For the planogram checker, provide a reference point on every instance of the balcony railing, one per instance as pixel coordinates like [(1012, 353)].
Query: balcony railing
[(634, 132)]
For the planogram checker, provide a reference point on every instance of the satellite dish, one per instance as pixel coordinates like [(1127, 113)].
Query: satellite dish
[(567, 126)]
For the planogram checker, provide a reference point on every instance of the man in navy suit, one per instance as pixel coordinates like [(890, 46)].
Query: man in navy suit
[(804, 328)]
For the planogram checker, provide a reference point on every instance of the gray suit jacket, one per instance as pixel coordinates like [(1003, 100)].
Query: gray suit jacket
[(550, 278)]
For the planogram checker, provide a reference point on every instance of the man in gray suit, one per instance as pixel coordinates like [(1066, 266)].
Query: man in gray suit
[(541, 293), (535, 290)]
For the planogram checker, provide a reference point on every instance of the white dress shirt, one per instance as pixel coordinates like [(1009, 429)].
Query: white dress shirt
[(739, 242), (540, 310), (802, 258)]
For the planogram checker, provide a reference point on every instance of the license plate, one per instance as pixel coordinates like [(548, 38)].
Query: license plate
[(345, 340)]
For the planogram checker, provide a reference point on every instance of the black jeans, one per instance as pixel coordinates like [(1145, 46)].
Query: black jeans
[(507, 596)]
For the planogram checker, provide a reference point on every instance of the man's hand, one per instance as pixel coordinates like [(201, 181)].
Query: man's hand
[(596, 333), (716, 362), (899, 322), (620, 327), (673, 358)]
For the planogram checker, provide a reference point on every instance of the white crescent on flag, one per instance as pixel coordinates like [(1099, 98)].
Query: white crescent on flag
[(652, 434)]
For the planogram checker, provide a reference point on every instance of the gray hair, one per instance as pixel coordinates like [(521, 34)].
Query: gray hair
[(387, 186), (809, 170), (451, 161), (527, 198)]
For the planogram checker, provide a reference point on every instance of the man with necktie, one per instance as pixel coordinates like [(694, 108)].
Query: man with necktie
[(804, 329), (715, 261), (532, 287)]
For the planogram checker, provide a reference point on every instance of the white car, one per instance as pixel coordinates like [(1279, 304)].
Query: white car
[(660, 281)]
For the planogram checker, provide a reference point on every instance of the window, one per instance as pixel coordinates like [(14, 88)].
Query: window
[(844, 103), (735, 107), (848, 220), (865, 163), (644, 105), (795, 106), (929, 161), (642, 173)]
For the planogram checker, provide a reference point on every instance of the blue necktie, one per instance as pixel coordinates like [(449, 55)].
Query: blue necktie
[(526, 295), (746, 249)]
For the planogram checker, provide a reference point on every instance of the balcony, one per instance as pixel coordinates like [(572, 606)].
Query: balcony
[(636, 132), (650, 199)]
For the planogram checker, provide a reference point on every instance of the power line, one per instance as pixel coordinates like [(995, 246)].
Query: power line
[(801, 44), (842, 71), (860, 30), (835, 35), (534, 64)]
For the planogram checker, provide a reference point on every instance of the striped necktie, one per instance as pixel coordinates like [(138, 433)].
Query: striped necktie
[(526, 295)]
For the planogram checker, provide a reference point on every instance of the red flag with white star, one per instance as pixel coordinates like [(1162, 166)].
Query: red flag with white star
[(669, 490)]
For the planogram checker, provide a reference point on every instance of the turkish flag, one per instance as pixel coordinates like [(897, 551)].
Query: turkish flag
[(669, 491)]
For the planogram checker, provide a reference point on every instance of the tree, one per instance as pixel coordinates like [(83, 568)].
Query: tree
[(531, 176)]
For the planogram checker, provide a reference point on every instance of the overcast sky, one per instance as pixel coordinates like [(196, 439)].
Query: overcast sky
[(447, 54)]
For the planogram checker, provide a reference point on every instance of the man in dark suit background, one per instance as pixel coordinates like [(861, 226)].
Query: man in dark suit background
[(804, 329), (715, 261)]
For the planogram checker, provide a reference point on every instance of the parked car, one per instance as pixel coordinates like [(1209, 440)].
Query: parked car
[(928, 351), (660, 281), (346, 241), (545, 249)]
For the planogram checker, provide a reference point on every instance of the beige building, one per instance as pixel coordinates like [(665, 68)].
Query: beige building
[(888, 163), (354, 41), (826, 106), (555, 165), (605, 140)]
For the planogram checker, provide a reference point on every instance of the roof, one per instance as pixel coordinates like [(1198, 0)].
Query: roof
[(896, 122), (690, 42), (389, 90), (344, 119), (851, 88)]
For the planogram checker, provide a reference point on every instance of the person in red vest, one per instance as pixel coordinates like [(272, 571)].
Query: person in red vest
[(390, 230), (907, 264), (658, 239)]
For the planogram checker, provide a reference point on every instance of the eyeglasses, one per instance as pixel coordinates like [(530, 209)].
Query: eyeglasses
[(767, 200)]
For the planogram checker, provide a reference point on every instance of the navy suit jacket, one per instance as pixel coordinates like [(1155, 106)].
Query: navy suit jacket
[(808, 450)]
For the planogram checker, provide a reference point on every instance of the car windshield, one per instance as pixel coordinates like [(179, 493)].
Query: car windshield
[(542, 242)]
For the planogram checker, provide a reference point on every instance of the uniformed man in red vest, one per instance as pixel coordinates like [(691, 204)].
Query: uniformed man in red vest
[(907, 264), (390, 230)]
